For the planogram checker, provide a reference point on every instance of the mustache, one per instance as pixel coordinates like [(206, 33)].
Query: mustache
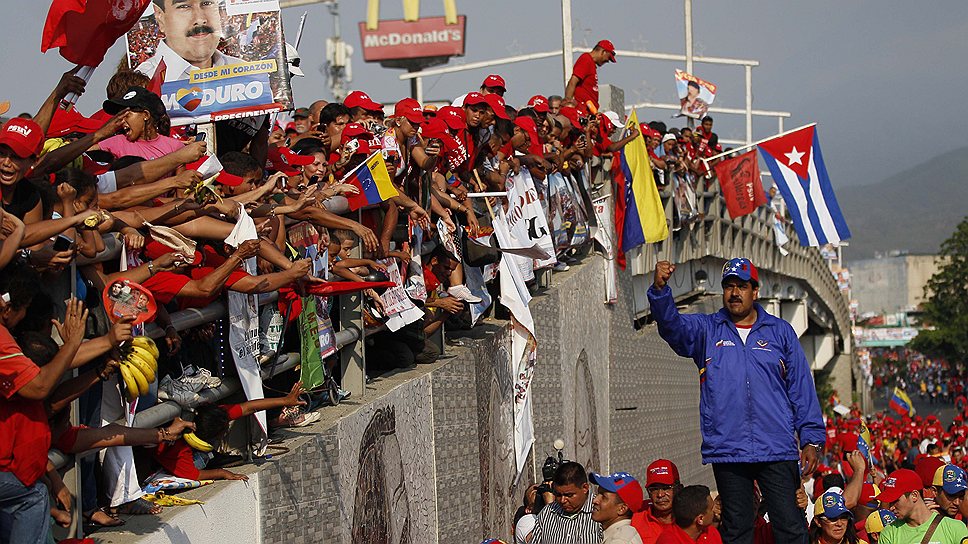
[(200, 29), (736, 299)]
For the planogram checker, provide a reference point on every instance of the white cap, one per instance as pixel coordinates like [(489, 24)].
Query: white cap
[(293, 55), (669, 137), (614, 119)]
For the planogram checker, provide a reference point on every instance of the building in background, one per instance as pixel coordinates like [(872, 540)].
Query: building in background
[(891, 284)]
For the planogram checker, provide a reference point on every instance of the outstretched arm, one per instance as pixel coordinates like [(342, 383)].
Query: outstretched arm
[(684, 333)]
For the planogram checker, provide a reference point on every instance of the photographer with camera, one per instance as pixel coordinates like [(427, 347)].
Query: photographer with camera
[(569, 518)]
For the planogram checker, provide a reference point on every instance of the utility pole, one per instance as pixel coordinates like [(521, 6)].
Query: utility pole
[(337, 69), (567, 57), (687, 7)]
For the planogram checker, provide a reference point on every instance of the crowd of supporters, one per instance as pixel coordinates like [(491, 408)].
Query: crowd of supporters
[(882, 479)]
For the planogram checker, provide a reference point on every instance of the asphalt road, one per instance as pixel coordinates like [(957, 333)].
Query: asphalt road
[(945, 411)]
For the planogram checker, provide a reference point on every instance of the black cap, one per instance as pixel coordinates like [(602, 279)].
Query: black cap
[(135, 98), (301, 112)]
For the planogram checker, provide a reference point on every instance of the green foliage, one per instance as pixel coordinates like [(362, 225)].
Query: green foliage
[(947, 308)]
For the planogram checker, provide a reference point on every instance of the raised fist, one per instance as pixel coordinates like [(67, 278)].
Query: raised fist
[(663, 271)]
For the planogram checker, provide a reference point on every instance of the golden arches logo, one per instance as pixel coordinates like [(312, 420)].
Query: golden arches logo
[(411, 12)]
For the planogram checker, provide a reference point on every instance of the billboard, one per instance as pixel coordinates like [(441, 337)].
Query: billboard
[(221, 59), (428, 37)]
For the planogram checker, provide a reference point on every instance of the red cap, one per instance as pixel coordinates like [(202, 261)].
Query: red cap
[(867, 494), (362, 100), (410, 109), (925, 467), (494, 81), (573, 115), (899, 482), (607, 46), (65, 122), (539, 104), (497, 105), (354, 129), (454, 117), (283, 159), (527, 124), (474, 97), (661, 472), (23, 136)]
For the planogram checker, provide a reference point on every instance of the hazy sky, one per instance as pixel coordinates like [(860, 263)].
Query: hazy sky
[(884, 79)]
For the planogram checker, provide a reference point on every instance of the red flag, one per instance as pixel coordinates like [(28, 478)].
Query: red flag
[(85, 29), (158, 78), (740, 181)]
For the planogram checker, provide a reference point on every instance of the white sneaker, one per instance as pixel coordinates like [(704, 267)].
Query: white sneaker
[(560, 267), (461, 292), (200, 377), (184, 394)]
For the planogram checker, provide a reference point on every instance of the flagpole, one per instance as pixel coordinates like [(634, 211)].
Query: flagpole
[(754, 144)]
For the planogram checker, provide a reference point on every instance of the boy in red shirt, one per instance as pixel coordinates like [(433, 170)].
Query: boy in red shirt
[(24, 431)]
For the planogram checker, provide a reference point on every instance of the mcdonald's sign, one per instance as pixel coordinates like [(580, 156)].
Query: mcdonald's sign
[(428, 37)]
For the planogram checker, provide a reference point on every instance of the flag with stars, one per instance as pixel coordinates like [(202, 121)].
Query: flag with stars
[(797, 166)]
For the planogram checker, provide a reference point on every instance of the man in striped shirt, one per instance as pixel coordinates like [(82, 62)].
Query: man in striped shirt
[(569, 519)]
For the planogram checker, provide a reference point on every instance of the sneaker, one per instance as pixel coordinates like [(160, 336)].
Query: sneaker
[(461, 292), (292, 416), (175, 390), (343, 394), (201, 377), (560, 267)]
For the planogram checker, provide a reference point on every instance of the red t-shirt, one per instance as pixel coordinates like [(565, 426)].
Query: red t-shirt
[(648, 526), (587, 73), (24, 431), (673, 534), (178, 460)]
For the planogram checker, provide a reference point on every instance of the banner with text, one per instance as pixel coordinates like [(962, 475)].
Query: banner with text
[(226, 62)]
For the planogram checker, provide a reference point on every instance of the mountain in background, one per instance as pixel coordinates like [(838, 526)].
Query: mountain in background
[(912, 211)]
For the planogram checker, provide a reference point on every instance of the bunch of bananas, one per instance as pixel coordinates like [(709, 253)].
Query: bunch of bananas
[(139, 364)]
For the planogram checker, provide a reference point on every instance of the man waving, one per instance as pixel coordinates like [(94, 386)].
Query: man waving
[(758, 405)]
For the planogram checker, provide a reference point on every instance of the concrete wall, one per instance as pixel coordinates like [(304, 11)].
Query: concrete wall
[(426, 455)]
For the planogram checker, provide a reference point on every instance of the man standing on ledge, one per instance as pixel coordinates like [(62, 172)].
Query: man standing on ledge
[(757, 400), (583, 84)]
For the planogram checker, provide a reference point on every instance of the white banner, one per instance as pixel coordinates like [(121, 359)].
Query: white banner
[(515, 296), (527, 221), (244, 329), (396, 304), (603, 236)]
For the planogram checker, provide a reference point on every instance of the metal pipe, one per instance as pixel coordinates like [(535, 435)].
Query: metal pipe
[(756, 143), (749, 104), (681, 58), (687, 7), (712, 109), (567, 57), (481, 64)]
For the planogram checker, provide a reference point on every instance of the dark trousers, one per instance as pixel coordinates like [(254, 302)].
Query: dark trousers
[(778, 482)]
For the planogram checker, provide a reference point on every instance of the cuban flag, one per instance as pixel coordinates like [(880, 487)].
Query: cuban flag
[(796, 163)]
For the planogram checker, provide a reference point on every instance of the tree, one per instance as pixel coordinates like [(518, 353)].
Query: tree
[(946, 308)]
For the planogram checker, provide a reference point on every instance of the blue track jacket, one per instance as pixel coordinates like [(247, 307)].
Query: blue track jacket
[(753, 397)]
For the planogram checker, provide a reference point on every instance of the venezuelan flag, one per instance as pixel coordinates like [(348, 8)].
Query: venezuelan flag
[(901, 403), (373, 181), (644, 218)]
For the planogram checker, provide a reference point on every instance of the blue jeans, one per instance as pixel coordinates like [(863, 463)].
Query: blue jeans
[(778, 482), (26, 511)]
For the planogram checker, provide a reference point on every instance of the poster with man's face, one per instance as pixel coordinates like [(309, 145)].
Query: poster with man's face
[(221, 59), (695, 94)]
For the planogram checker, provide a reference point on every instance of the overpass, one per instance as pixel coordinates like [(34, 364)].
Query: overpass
[(426, 454)]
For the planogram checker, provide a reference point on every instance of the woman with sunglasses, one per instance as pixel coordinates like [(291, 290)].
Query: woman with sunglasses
[(832, 521)]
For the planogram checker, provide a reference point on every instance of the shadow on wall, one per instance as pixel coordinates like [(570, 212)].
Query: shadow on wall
[(381, 512), (586, 416), (495, 401)]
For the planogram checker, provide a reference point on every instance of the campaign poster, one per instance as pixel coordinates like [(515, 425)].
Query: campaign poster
[(695, 94), (221, 59)]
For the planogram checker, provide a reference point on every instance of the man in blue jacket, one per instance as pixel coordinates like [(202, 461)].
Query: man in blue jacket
[(758, 405)]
